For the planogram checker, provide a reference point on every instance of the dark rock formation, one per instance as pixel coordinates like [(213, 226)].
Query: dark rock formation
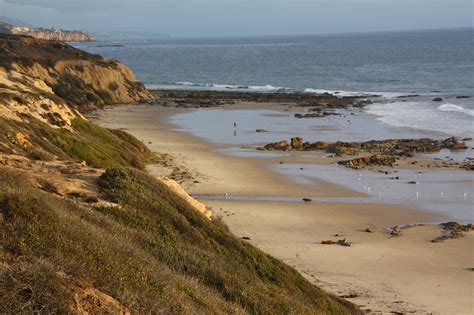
[(373, 160), (297, 143), (453, 230), (318, 114), (408, 96), (382, 152), (194, 99)]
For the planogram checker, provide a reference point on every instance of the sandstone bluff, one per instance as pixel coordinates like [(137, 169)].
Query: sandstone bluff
[(47, 33)]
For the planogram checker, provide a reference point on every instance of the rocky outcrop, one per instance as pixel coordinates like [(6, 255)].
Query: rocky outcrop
[(178, 189), (453, 230), (193, 99), (48, 34), (54, 82), (373, 160), (394, 147), (382, 152), (316, 115)]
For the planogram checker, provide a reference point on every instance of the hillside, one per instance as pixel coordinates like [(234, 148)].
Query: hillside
[(85, 231)]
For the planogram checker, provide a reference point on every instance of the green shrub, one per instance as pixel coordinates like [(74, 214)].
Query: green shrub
[(95, 145)]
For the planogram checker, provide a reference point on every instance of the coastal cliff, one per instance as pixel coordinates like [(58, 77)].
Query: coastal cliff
[(53, 81), (84, 230), (48, 34)]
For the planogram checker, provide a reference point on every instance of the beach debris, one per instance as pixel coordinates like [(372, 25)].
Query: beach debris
[(349, 296), (344, 242), (261, 130), (246, 238), (453, 230), (438, 99), (462, 96), (395, 231), (369, 230), (328, 242), (413, 182), (307, 199)]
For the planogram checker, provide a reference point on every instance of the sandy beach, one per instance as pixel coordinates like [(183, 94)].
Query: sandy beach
[(381, 273)]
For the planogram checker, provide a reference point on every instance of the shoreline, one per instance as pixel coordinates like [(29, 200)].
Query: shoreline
[(293, 231)]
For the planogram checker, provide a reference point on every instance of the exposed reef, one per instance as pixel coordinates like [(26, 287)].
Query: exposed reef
[(374, 152)]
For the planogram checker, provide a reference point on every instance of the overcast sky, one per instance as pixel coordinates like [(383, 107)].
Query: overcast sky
[(201, 18)]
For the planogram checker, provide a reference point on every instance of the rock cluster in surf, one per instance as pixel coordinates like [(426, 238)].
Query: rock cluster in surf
[(370, 153)]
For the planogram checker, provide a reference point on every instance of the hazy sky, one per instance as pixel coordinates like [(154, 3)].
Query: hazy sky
[(183, 18)]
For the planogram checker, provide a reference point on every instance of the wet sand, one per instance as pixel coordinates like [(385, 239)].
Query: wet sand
[(382, 273)]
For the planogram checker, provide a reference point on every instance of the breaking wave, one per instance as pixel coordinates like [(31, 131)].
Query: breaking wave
[(455, 108)]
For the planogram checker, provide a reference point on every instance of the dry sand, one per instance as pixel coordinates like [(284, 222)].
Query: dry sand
[(382, 273)]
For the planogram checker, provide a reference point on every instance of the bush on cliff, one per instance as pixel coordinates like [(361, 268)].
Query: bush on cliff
[(95, 145)]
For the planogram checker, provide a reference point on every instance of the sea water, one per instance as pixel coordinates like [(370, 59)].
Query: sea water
[(429, 64)]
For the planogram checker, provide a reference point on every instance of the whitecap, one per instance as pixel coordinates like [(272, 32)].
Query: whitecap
[(448, 107), (422, 116)]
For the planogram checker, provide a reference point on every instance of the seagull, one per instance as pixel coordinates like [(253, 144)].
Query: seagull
[(226, 195)]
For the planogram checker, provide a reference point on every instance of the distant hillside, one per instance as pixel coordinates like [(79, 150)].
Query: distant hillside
[(12, 21), (45, 33)]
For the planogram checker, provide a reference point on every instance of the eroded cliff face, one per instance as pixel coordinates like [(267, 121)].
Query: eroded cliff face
[(54, 82), (49, 34)]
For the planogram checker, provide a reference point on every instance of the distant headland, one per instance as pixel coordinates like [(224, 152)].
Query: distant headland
[(7, 27)]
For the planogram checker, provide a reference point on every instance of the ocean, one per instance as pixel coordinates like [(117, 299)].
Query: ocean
[(384, 67)]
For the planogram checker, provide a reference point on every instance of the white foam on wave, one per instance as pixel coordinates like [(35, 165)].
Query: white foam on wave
[(185, 85), (423, 116), (218, 87), (388, 95), (455, 108)]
